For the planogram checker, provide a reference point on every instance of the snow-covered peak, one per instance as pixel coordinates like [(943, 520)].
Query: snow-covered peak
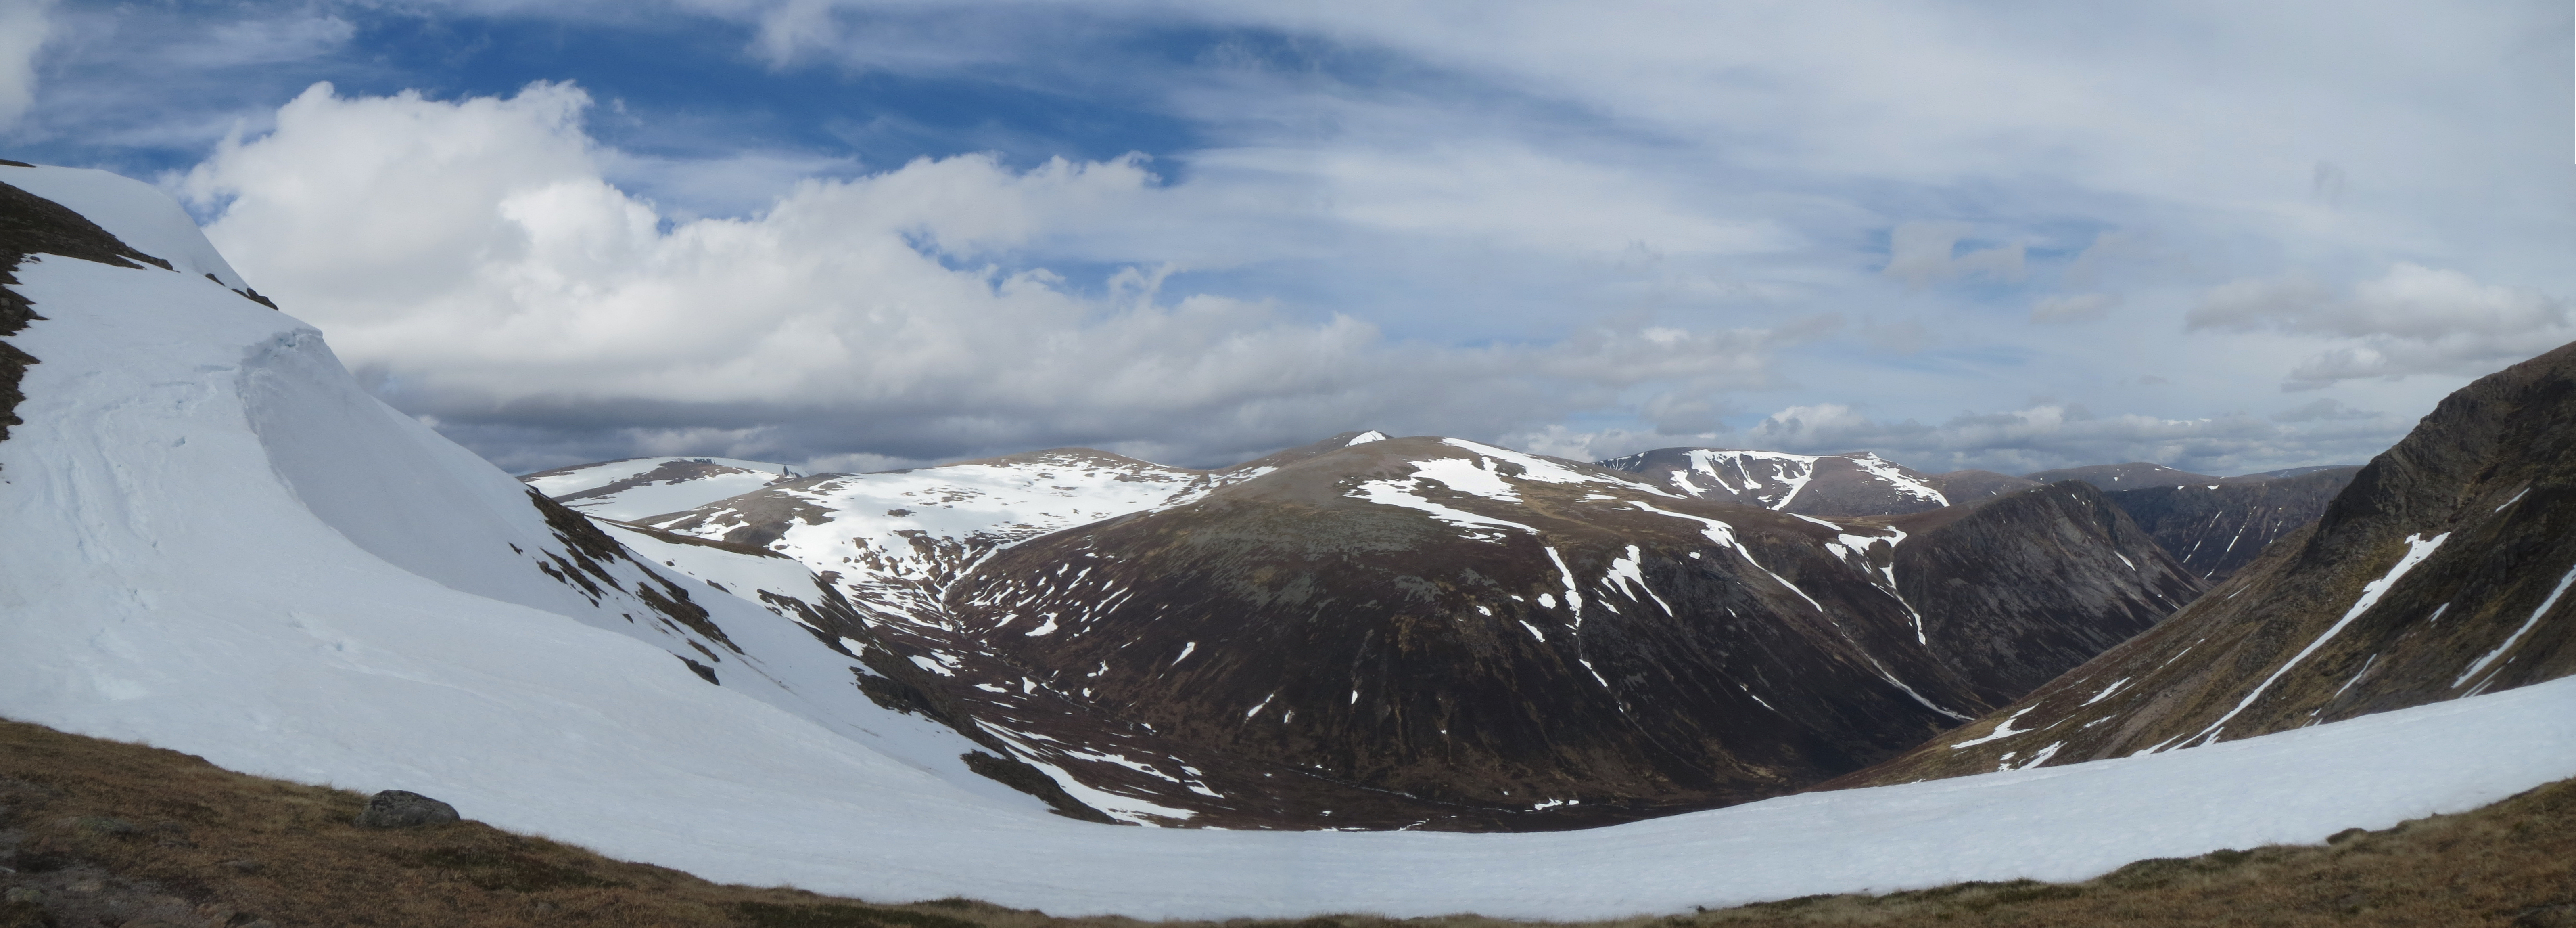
[(1366, 437), (1458, 466), (135, 213), (1857, 483), (896, 538), (639, 487)]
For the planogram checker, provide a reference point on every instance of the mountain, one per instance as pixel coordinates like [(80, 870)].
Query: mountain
[(1831, 485), (1484, 638), (1828, 485), (1967, 487), (920, 554), (352, 581), (2440, 572), (2215, 529), (2124, 476), (636, 487), (218, 543)]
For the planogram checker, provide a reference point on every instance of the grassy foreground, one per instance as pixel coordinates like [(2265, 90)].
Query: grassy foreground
[(100, 833)]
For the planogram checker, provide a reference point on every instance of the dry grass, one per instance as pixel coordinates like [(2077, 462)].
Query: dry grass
[(123, 835)]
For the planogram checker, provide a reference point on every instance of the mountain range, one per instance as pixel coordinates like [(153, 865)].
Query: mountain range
[(945, 681)]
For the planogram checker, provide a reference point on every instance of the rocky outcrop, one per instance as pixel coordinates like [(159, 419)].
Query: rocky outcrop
[(2441, 572), (396, 808)]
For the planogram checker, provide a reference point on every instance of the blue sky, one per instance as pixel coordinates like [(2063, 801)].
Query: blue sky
[(854, 235)]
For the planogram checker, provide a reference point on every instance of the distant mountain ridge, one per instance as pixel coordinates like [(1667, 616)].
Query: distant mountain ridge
[(2440, 572), (964, 567), (1829, 485), (1485, 631), (637, 487), (2216, 529)]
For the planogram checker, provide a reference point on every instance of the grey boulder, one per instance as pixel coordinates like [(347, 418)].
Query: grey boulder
[(396, 808)]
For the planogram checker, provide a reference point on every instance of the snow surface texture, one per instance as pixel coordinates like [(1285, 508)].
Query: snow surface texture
[(169, 579)]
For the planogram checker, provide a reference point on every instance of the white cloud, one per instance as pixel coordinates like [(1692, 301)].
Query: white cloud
[(469, 258), (2411, 320), (2080, 307), (269, 41), (1924, 253), (2050, 436), (23, 30)]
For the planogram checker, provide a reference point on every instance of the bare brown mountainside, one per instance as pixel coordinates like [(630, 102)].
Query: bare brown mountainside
[(2440, 572), (1483, 639), (2215, 529)]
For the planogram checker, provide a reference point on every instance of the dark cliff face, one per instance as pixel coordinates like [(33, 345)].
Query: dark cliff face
[(2215, 529), (1538, 652), (2034, 583), (2442, 571)]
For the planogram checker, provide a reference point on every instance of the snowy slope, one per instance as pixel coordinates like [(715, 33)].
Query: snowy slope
[(168, 578), (897, 539), (160, 400), (638, 487), (1856, 484), (142, 217)]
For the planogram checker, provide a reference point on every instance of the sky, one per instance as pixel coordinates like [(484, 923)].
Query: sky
[(854, 236)]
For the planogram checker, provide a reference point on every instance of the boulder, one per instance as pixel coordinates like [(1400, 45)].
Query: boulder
[(396, 808)]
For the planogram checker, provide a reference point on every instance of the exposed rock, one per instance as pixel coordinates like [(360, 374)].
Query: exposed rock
[(396, 808)]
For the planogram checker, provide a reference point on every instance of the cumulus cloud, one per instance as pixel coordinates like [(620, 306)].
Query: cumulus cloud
[(469, 259), (1924, 253), (23, 29), (2411, 320)]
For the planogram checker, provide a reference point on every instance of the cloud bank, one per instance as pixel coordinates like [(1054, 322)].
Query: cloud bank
[(469, 259), (2412, 320)]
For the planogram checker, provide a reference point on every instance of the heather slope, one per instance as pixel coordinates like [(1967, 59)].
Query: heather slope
[(102, 832)]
